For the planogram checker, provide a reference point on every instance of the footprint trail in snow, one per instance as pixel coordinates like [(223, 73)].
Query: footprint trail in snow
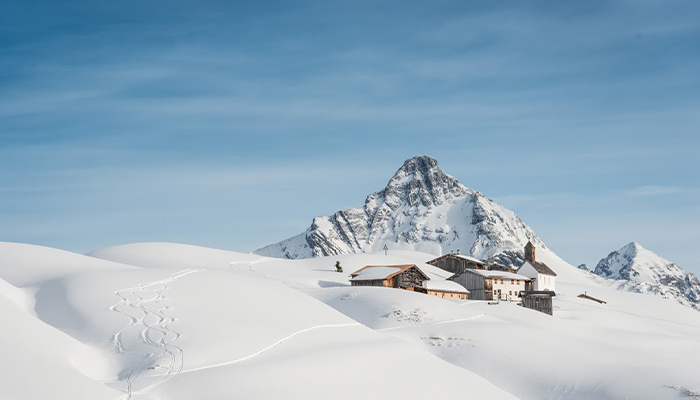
[(149, 337)]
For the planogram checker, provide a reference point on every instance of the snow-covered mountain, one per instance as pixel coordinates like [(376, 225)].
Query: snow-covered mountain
[(422, 208), (644, 271)]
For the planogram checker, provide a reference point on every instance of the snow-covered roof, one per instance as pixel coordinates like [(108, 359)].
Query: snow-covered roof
[(495, 274), (369, 274), (472, 259), (445, 286), (375, 272), (462, 256)]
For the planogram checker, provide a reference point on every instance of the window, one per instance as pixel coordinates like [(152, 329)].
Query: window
[(510, 292), (501, 281), (512, 282)]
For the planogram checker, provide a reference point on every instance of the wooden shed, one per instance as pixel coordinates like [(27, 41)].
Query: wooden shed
[(538, 300), (455, 262), (491, 285), (407, 276)]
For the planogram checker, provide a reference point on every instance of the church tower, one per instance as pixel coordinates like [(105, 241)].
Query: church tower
[(530, 252)]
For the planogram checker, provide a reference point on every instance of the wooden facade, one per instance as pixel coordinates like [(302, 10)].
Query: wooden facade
[(408, 277), (445, 294), (491, 285), (457, 263), (538, 300)]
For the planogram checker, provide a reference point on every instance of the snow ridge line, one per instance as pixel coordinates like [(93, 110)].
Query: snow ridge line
[(450, 321), (270, 347), (161, 328)]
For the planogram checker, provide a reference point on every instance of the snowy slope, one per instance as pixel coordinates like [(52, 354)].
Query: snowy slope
[(184, 322), (423, 209), (638, 269), (634, 347)]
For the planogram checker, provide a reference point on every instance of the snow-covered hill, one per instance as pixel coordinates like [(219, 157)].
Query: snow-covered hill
[(153, 321), (638, 269), (422, 208)]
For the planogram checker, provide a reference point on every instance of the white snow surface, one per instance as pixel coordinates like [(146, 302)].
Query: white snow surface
[(171, 321), (375, 272)]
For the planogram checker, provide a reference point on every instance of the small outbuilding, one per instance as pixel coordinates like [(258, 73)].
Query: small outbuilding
[(491, 285), (407, 276), (446, 289), (538, 300), (543, 276), (456, 262), (585, 295)]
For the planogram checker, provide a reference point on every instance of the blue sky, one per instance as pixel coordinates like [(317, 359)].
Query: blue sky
[(233, 124)]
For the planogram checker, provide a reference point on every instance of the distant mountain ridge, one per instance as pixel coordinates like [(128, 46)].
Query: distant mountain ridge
[(643, 271), (422, 208)]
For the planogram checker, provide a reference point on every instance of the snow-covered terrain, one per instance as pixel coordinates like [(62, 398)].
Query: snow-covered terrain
[(182, 322), (172, 321), (423, 209), (638, 269)]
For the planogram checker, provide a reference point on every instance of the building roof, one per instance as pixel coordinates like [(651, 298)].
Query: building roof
[(445, 286), (542, 268), (537, 293), (493, 274), (381, 272), (462, 256), (499, 267)]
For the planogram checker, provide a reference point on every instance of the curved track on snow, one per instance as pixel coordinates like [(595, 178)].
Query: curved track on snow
[(143, 306)]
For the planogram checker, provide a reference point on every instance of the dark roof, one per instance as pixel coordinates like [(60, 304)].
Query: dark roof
[(462, 257), (585, 296), (537, 293), (383, 275), (542, 268)]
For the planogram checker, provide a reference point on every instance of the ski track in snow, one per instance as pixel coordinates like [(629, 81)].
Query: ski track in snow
[(270, 347), (158, 335)]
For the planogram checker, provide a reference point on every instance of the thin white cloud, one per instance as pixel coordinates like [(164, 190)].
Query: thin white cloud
[(645, 191)]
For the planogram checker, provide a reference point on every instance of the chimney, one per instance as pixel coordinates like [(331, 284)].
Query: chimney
[(452, 251), (530, 252), (457, 251)]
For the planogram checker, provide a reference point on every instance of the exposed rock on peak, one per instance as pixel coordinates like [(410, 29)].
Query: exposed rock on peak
[(421, 208), (644, 271)]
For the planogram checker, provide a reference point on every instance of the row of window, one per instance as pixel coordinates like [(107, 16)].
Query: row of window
[(512, 281)]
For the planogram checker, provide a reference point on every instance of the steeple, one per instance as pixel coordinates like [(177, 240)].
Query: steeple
[(530, 252)]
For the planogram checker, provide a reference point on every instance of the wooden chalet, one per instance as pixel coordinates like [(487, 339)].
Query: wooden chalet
[(446, 289), (407, 276), (540, 300), (456, 262), (491, 285)]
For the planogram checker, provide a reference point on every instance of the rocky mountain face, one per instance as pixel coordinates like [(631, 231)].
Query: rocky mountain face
[(422, 208), (641, 270)]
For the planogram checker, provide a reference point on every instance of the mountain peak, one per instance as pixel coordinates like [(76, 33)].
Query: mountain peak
[(645, 271), (422, 208), (419, 181), (419, 163)]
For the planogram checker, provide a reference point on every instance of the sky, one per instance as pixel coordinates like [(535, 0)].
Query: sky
[(232, 124)]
